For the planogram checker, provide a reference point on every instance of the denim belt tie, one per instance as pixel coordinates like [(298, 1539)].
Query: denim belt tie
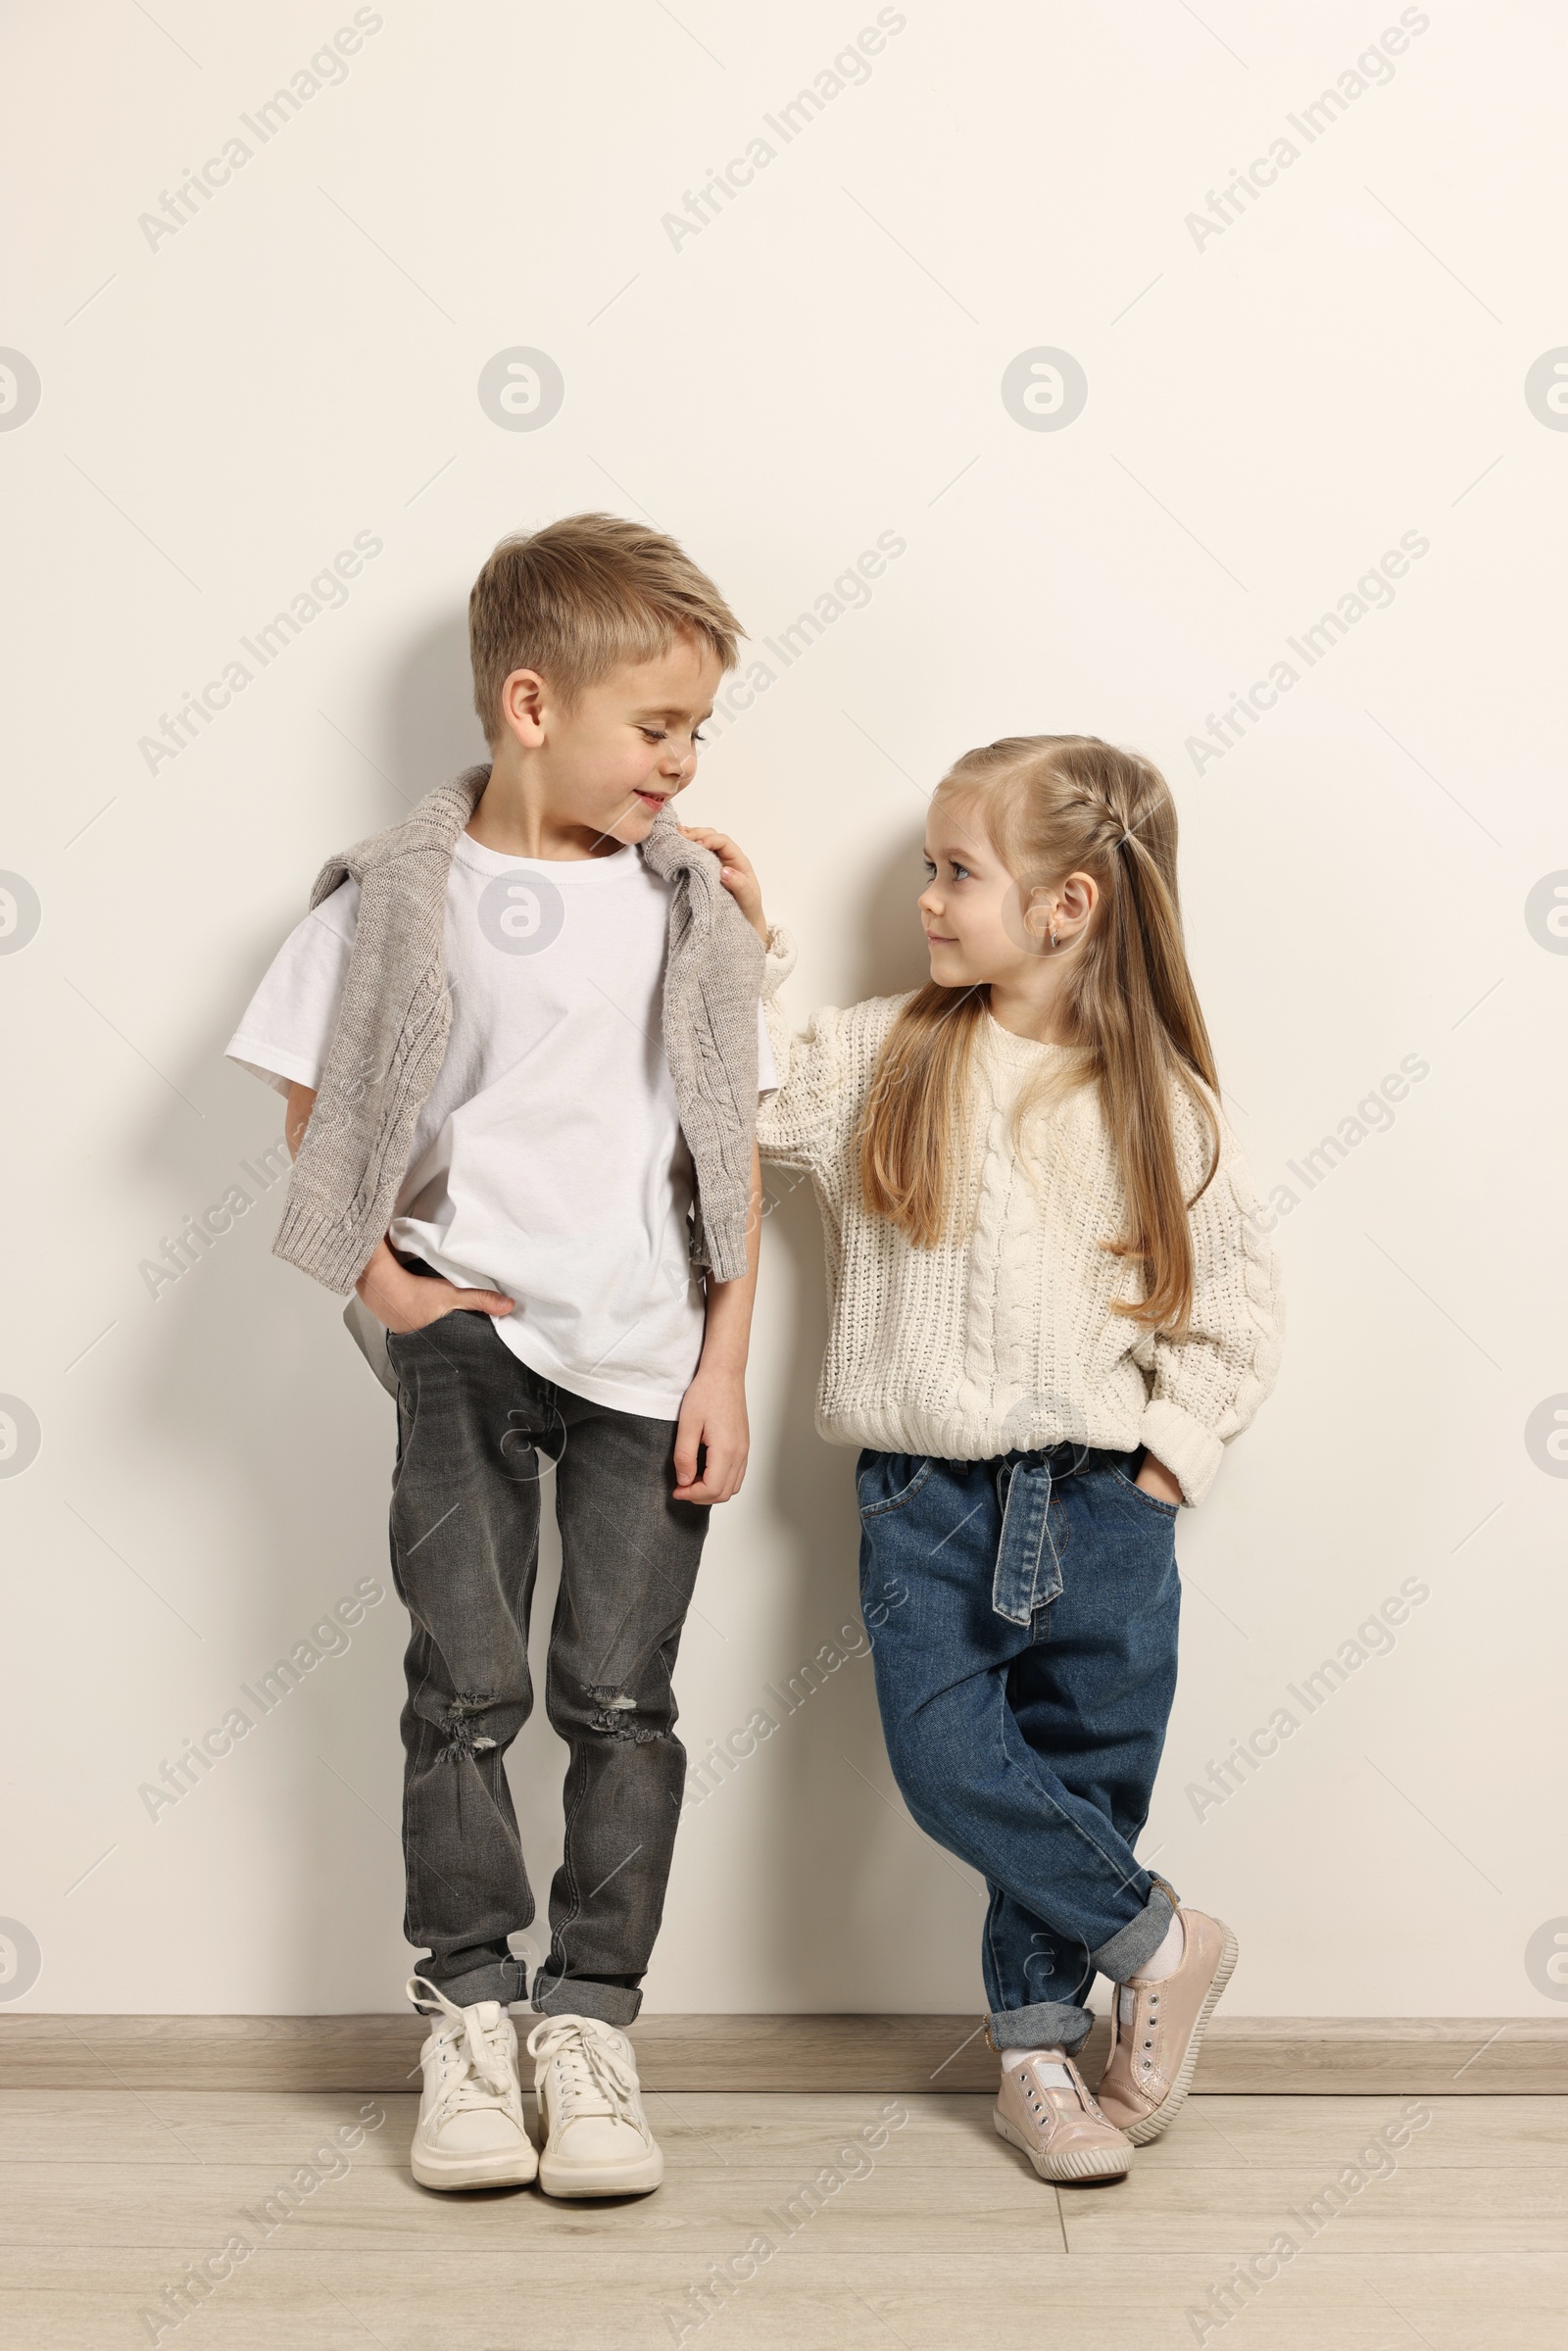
[(1028, 1573)]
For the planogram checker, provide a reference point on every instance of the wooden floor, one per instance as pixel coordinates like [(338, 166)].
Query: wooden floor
[(941, 2238)]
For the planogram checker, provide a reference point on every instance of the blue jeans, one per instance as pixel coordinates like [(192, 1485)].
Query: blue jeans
[(1022, 1615)]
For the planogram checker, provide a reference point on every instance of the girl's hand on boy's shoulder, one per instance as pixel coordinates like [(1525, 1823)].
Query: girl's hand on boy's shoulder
[(736, 874)]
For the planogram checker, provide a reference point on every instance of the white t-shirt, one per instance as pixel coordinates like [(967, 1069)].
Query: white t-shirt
[(548, 1161)]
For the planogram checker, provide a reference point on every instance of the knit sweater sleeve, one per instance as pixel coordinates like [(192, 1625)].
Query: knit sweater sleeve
[(800, 1125), (1206, 1385), (810, 1122)]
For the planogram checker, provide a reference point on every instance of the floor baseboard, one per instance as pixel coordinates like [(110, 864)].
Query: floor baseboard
[(1243, 2056)]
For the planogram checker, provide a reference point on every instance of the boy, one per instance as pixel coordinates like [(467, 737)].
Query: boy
[(521, 1036)]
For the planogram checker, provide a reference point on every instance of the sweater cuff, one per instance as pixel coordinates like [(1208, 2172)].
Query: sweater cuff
[(327, 1247), (1190, 1451), (779, 961)]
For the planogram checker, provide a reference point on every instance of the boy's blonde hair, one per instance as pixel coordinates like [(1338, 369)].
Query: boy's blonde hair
[(580, 598)]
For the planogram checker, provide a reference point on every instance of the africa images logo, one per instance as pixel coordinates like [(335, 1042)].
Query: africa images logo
[(520, 389), (522, 913), (19, 1436), (1545, 912), (1044, 389), (20, 1959), (20, 389), (20, 912), (1545, 389), (1546, 1436), (1546, 1959)]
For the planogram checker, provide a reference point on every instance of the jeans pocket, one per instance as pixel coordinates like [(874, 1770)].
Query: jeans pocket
[(439, 1322), (885, 1481), (1149, 1501)]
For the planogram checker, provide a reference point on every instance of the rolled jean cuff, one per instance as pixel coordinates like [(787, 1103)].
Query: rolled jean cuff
[(565, 1995), (1136, 1942), (1047, 2025), (503, 1979)]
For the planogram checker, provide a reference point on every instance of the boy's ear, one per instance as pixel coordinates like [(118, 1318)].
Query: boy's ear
[(521, 705)]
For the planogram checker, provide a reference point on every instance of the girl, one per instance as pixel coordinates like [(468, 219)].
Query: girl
[(1052, 1307)]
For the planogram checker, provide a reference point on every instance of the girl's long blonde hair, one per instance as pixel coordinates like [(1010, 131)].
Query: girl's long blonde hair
[(1052, 806)]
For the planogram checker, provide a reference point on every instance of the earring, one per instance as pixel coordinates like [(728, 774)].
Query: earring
[(1054, 941)]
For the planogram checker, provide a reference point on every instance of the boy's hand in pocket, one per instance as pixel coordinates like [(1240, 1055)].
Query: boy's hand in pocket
[(407, 1302)]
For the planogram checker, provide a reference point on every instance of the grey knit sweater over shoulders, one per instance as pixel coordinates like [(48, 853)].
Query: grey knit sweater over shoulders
[(396, 1015)]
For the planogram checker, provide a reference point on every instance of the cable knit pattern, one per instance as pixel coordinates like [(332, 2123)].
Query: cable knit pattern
[(1004, 1334), (394, 1021)]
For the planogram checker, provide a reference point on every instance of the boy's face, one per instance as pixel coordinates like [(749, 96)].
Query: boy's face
[(628, 744)]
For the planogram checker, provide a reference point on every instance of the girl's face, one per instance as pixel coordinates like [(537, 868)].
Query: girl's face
[(982, 929), (971, 908)]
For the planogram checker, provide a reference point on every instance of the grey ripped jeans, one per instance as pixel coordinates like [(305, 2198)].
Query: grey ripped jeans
[(476, 1431)]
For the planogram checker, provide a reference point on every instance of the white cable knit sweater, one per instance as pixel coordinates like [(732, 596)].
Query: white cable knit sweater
[(1004, 1336)]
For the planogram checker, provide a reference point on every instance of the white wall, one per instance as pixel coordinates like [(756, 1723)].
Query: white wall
[(1269, 409)]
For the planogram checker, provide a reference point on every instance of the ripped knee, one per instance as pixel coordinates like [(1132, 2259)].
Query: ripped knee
[(460, 1743), (612, 1714)]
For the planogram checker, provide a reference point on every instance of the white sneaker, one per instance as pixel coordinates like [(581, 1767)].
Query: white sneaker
[(596, 2137), (470, 2132)]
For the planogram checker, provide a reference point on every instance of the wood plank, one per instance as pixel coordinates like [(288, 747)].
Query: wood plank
[(702, 2129), (1238, 2213), (1488, 2133), (926, 2294), (709, 2214), (1243, 2056), (697, 2130)]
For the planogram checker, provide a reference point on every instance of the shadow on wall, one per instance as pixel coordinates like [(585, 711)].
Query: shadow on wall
[(243, 1395), (241, 1445), (431, 728), (892, 955), (249, 1399), (827, 1827)]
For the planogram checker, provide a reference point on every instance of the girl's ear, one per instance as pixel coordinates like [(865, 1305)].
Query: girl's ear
[(1077, 900)]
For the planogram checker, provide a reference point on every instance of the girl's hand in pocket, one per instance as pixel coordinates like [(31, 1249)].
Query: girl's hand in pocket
[(1155, 1479)]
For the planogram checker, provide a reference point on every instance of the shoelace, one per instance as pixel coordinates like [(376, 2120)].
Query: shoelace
[(594, 2078), (481, 2073)]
